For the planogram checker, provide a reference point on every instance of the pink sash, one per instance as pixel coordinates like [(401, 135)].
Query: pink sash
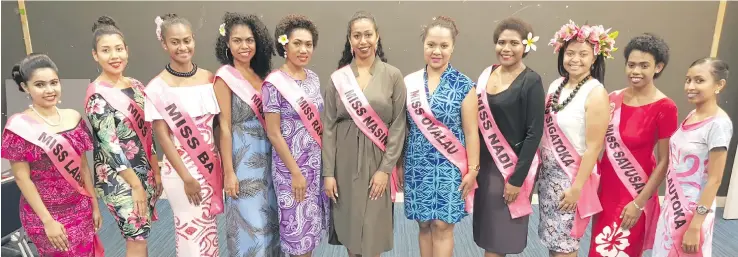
[(308, 111), (436, 132), (569, 160), (60, 152), (679, 215), (185, 129), (243, 89), (628, 169), (128, 107), (364, 116), (503, 155)]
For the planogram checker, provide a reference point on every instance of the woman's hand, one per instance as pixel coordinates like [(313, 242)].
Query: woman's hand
[(691, 240), (511, 193), (140, 203), (299, 186), (569, 199), (231, 184), (97, 218), (192, 189), (57, 235), (467, 184), (630, 216), (378, 184), (330, 188)]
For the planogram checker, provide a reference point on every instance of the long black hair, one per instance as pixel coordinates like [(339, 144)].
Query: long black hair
[(261, 63), (346, 55), (597, 70)]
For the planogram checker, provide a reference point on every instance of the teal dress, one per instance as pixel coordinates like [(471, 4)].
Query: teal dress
[(432, 181), (251, 219)]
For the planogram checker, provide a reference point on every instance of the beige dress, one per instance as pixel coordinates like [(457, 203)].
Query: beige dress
[(364, 226)]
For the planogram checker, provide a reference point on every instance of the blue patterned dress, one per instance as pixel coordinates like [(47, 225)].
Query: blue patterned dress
[(432, 181), (252, 223)]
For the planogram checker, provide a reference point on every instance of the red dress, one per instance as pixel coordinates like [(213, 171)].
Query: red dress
[(640, 127)]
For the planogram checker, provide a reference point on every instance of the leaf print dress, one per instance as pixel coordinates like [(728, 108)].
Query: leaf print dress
[(118, 148), (252, 223)]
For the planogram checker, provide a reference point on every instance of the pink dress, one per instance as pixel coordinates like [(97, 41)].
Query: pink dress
[(65, 204)]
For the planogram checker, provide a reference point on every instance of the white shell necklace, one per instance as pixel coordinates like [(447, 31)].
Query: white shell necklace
[(46, 120)]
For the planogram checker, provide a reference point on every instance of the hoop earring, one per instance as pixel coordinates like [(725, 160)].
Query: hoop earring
[(227, 50), (353, 55)]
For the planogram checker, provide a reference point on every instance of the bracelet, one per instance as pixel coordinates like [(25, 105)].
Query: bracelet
[(636, 205), (473, 167)]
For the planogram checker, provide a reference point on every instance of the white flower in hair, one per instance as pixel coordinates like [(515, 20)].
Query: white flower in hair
[(221, 29), (529, 42), (283, 39)]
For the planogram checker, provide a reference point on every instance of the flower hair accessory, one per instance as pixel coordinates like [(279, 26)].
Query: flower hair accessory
[(601, 38), (529, 42), (221, 29), (283, 39), (158, 22)]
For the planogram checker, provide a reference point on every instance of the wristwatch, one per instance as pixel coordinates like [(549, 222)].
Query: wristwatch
[(702, 210)]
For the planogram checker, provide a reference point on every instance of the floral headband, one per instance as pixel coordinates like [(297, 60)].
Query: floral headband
[(158, 22), (601, 39)]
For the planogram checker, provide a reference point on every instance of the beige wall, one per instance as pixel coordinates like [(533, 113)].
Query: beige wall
[(62, 29)]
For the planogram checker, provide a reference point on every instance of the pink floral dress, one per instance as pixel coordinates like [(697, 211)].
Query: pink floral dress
[(66, 205)]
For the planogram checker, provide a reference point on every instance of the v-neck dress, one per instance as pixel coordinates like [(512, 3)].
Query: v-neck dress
[(431, 180)]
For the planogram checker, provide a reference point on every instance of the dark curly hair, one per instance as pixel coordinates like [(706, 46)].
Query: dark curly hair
[(104, 26), (514, 24), (346, 56), (720, 69), (290, 23), (652, 44), (443, 22), (598, 67), (23, 70), (262, 60), (170, 19)]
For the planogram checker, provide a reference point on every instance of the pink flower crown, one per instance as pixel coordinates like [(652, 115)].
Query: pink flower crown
[(596, 35)]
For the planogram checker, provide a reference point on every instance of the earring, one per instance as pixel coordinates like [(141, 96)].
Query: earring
[(227, 50), (352, 53), (717, 92), (98, 69)]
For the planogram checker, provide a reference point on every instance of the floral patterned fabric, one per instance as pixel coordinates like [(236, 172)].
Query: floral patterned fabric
[(66, 205), (118, 148)]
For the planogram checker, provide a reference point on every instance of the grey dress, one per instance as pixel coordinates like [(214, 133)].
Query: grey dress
[(364, 226)]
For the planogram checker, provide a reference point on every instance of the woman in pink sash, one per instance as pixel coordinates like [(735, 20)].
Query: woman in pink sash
[(515, 99), (354, 166), (58, 208), (245, 50), (292, 106), (437, 186), (189, 192), (575, 121), (127, 178), (647, 118), (698, 151)]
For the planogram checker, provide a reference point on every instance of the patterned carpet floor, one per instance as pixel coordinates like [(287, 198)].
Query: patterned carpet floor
[(161, 241)]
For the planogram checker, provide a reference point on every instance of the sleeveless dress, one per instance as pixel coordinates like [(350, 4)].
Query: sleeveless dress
[(640, 128), (431, 180), (65, 204), (195, 228), (301, 224), (251, 219), (689, 148), (117, 148), (555, 226)]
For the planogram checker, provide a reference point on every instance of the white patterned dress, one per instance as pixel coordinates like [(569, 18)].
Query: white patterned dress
[(689, 150)]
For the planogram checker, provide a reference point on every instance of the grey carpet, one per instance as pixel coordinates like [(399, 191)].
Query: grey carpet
[(161, 240)]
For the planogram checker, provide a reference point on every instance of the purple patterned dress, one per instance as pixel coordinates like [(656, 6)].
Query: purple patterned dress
[(66, 205), (302, 224)]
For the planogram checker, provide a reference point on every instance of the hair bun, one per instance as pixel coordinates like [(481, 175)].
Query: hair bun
[(103, 21), (169, 16)]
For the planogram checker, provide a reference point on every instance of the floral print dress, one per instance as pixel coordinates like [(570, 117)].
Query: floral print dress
[(118, 148)]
